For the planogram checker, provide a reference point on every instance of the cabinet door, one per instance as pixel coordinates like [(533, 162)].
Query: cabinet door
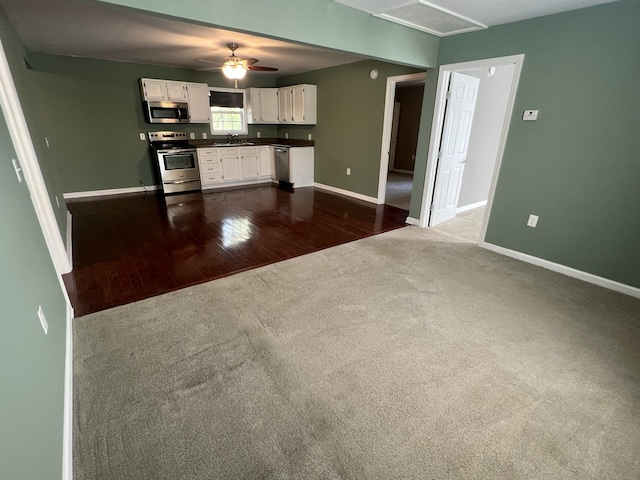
[(230, 167), (297, 104), (284, 105), (269, 105), (255, 112), (265, 161), (249, 165), (154, 89), (199, 109), (177, 91)]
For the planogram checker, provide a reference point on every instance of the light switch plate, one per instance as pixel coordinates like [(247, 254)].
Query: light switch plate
[(533, 221), (142, 137), (530, 115), (204, 136), (192, 136)]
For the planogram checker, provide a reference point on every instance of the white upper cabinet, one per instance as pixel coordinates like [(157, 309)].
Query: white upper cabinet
[(177, 91), (263, 104), (198, 98), (297, 104), (153, 90), (195, 94)]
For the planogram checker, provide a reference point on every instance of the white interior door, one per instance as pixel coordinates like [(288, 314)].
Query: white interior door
[(458, 117)]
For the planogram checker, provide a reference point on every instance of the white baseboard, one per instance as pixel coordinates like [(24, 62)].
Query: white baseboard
[(563, 269), (70, 238), (67, 427), (110, 191), (471, 206), (347, 193), (412, 221)]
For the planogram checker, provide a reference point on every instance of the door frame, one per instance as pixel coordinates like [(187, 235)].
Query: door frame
[(444, 75), (387, 125)]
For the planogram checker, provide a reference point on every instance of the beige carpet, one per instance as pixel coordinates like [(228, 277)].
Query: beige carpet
[(408, 355)]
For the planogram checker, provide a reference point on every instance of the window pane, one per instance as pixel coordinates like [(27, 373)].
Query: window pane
[(228, 120)]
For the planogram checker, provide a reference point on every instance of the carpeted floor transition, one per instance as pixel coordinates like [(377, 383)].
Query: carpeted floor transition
[(408, 355)]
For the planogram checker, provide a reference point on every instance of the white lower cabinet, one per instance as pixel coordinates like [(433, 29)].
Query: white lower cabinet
[(210, 167), (249, 162), (266, 166), (230, 165)]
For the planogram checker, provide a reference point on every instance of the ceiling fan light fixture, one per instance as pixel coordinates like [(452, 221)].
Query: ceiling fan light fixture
[(234, 72)]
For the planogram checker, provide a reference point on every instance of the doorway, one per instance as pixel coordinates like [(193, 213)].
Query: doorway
[(403, 106), (499, 123)]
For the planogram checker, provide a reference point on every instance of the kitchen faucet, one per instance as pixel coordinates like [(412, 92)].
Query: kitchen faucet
[(231, 137)]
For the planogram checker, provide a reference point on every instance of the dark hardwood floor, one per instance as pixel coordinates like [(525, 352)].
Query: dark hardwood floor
[(132, 247)]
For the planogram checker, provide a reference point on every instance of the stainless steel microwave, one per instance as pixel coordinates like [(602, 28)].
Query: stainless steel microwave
[(166, 112)]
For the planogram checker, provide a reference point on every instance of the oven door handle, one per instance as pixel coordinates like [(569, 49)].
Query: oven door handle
[(177, 150), (175, 182)]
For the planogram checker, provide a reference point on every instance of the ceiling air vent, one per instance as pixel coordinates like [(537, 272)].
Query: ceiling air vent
[(429, 18)]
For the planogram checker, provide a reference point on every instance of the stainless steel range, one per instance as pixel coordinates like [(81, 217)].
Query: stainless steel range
[(177, 161)]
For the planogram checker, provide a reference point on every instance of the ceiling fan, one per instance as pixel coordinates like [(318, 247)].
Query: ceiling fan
[(234, 67)]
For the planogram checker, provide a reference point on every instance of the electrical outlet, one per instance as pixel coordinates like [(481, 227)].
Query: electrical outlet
[(43, 320), (286, 135), (348, 171), (204, 135), (309, 136), (142, 136), (533, 221), (530, 115), (257, 134), (57, 201), (192, 136)]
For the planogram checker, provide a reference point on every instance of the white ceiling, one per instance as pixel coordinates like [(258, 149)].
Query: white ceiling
[(96, 30)]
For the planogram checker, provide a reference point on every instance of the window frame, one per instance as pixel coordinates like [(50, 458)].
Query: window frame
[(245, 122)]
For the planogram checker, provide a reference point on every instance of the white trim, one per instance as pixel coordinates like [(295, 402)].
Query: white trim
[(347, 193), (67, 426), (26, 154), (471, 206), (387, 124), (110, 191), (70, 238), (563, 269), (437, 123), (412, 221)]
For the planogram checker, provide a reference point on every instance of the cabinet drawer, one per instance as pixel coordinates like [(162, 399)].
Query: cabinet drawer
[(206, 160), (207, 151), (210, 167), (248, 151), (211, 178), (229, 152)]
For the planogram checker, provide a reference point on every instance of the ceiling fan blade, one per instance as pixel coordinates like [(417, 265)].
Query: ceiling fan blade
[(248, 61), (257, 68), (215, 62)]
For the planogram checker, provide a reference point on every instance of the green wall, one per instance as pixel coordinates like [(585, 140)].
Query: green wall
[(350, 120), (27, 93), (32, 363), (92, 114), (578, 166)]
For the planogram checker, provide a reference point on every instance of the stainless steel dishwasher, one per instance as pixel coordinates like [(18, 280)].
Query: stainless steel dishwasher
[(283, 172)]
